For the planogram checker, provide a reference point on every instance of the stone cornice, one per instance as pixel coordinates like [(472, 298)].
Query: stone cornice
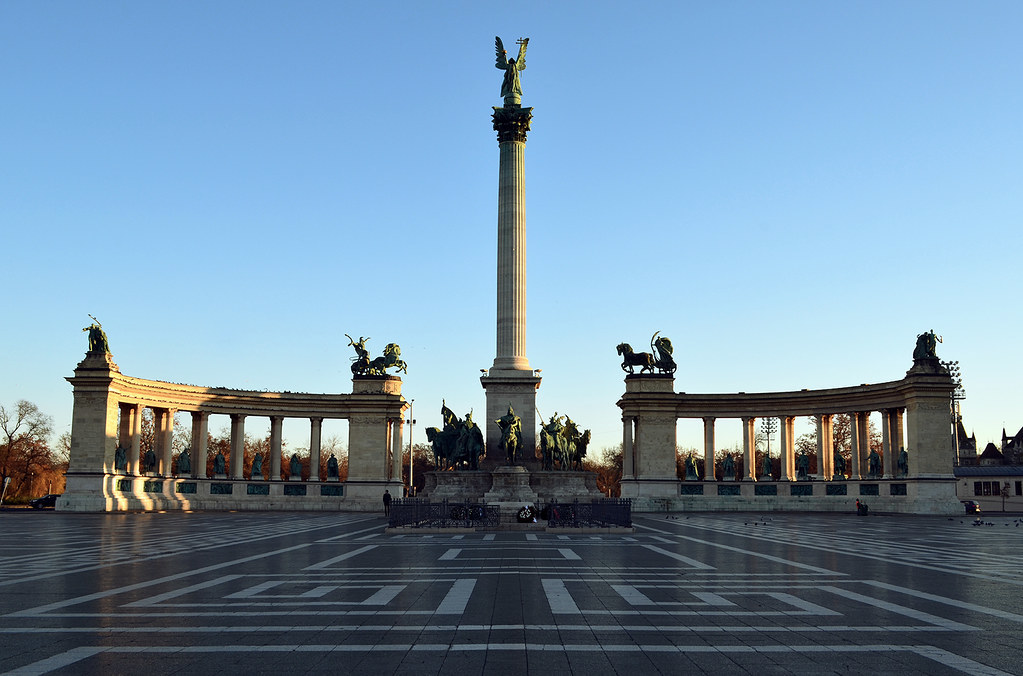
[(897, 394), (225, 401)]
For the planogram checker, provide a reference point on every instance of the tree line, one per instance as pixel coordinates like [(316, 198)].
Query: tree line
[(29, 458)]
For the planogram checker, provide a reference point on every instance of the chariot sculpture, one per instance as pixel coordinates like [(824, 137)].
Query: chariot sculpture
[(659, 359), (362, 365)]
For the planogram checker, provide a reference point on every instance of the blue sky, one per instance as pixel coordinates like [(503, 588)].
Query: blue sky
[(790, 191)]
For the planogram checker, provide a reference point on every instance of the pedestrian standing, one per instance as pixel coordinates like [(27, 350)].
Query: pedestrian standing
[(387, 502)]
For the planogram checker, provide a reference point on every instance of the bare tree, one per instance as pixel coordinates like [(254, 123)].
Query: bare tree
[(25, 453)]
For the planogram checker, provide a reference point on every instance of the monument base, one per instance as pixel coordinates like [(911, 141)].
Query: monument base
[(516, 389), (511, 484)]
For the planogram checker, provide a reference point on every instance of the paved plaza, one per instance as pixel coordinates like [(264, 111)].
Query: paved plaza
[(220, 593)]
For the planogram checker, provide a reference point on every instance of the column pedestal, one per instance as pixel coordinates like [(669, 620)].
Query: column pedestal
[(518, 390)]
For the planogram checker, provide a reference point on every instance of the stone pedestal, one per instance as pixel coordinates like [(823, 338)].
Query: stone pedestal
[(518, 390), (511, 485)]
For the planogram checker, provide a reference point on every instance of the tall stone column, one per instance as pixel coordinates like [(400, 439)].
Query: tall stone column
[(628, 465), (315, 427), (135, 436), (397, 425), (888, 459), (749, 449), (788, 455), (200, 439), (855, 443), (708, 450), (828, 438), (276, 440), (511, 382), (863, 421), (237, 445), (163, 427)]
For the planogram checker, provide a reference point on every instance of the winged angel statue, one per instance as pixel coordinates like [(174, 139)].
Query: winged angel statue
[(511, 89)]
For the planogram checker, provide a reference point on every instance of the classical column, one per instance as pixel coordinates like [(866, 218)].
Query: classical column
[(854, 443), (135, 449), (709, 473), (163, 426), (396, 433), (237, 445), (124, 425), (863, 434), (200, 439), (887, 458), (628, 464), (511, 382), (276, 440), (829, 446), (788, 458), (898, 438), (315, 426), (749, 470)]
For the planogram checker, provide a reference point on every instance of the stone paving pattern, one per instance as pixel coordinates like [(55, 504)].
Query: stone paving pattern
[(216, 593)]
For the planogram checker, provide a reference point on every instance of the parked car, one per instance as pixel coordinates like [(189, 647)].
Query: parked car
[(45, 501), (971, 506)]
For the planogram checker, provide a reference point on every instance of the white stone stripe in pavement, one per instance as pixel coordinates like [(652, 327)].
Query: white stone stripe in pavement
[(901, 610), (457, 598), (558, 598), (169, 578), (342, 557), (747, 552), (154, 600), (692, 563), (1005, 615), (406, 627), (943, 657)]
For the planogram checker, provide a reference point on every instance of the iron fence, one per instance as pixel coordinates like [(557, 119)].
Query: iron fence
[(599, 513), (420, 513)]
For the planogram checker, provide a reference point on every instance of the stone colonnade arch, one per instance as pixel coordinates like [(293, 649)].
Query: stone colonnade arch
[(915, 416), (107, 414)]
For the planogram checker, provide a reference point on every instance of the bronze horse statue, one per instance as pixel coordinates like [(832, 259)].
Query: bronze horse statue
[(631, 359)]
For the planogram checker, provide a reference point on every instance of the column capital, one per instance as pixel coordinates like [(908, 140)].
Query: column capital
[(511, 123)]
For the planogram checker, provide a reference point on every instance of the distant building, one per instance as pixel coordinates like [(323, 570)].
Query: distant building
[(1012, 447), (967, 445)]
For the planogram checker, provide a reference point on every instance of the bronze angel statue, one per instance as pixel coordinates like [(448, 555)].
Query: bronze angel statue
[(511, 89)]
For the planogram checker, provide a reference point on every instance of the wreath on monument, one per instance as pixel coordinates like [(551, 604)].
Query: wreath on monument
[(527, 515)]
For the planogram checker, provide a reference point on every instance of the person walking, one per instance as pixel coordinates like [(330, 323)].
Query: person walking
[(387, 502)]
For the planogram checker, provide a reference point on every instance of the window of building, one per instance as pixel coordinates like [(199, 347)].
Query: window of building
[(978, 488), (987, 487), (1019, 488)]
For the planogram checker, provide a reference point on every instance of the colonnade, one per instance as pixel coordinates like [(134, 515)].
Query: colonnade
[(914, 416), (108, 417), (130, 438), (892, 440)]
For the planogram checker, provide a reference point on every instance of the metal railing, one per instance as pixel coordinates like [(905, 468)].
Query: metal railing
[(421, 513), (599, 513)]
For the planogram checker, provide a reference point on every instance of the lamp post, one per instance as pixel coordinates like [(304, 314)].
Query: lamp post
[(768, 426), (958, 394), (410, 420)]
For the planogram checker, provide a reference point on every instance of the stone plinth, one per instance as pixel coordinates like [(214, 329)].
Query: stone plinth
[(518, 390), (457, 486), (510, 484)]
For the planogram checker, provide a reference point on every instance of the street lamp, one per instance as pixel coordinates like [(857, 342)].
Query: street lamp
[(769, 426), (958, 394), (410, 420)]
